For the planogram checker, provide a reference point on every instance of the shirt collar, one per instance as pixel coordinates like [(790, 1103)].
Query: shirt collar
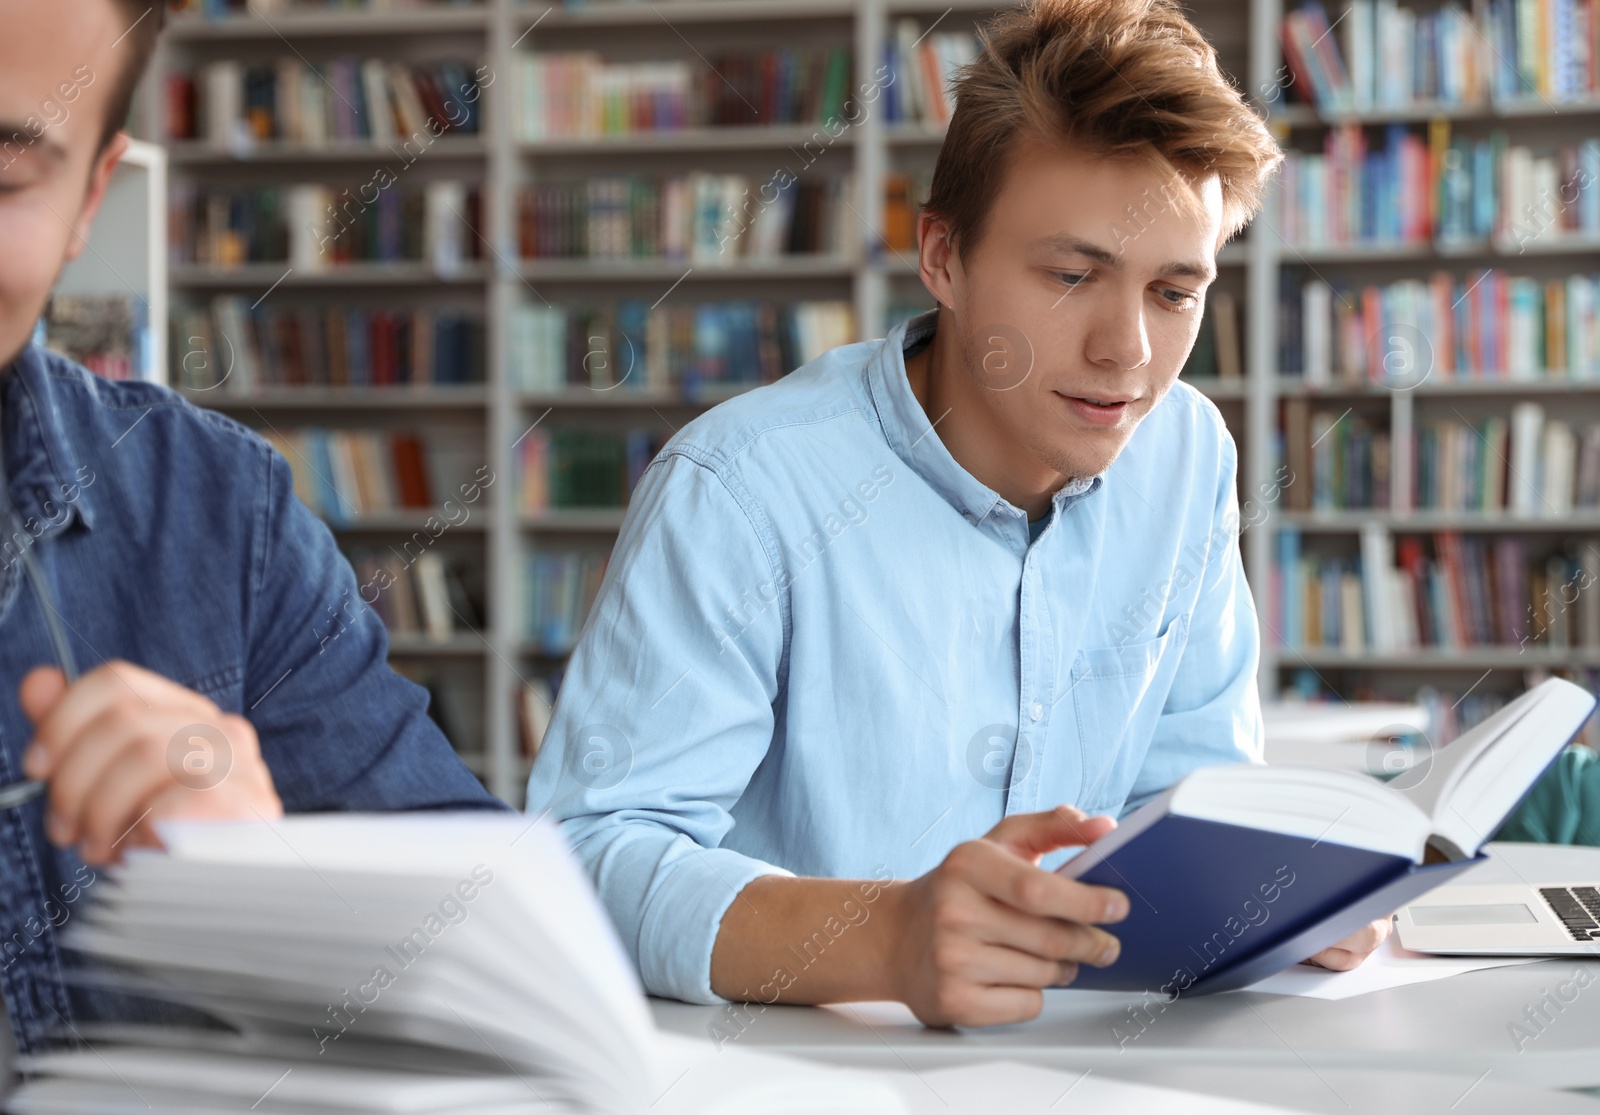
[(41, 461), (911, 435)]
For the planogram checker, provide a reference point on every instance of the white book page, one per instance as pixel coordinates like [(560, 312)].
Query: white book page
[(1469, 786)]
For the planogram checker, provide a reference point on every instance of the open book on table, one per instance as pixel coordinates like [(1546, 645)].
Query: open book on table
[(403, 963), (1239, 871)]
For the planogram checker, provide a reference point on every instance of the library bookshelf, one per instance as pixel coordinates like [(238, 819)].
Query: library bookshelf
[(483, 667)]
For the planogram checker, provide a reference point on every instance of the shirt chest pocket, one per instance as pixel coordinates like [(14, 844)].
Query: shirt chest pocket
[(1118, 693)]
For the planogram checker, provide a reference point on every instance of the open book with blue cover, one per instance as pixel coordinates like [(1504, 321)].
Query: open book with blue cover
[(1240, 871)]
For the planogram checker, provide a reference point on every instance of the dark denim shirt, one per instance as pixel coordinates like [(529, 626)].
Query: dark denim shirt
[(172, 538)]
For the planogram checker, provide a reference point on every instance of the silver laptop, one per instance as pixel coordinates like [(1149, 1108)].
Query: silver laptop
[(1515, 920)]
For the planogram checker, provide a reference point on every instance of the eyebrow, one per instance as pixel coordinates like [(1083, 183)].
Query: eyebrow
[(1066, 242), (13, 133)]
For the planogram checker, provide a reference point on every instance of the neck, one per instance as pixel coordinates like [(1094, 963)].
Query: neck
[(973, 432)]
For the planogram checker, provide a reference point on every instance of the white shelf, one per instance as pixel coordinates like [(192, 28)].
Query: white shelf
[(606, 14), (306, 25), (575, 520), (588, 270), (1520, 109), (265, 275), (399, 397), (1422, 521), (400, 522), (199, 153), (1294, 387), (461, 645), (1437, 250), (626, 398), (1433, 659), (689, 140)]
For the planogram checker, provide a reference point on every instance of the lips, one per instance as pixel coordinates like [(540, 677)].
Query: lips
[(1105, 412)]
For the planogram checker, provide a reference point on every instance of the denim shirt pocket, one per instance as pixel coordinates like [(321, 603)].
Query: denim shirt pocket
[(1119, 694)]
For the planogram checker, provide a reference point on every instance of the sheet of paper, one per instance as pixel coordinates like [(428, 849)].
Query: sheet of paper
[(1010, 1086), (1390, 966)]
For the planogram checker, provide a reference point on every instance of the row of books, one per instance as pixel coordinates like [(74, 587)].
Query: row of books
[(236, 105), (1388, 56), (920, 66), (315, 227), (579, 94), (1528, 465), (1338, 461), (1420, 186), (345, 474), (241, 348), (107, 333), (1484, 325), (559, 589), (415, 594), (1450, 714), (1469, 592), (706, 219), (573, 467), (634, 346)]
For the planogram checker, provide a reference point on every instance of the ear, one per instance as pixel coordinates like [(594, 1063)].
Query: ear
[(105, 164), (938, 262)]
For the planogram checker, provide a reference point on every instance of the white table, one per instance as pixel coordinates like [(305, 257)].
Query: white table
[(1407, 1049)]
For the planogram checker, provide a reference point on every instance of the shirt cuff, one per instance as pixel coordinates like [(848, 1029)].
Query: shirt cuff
[(681, 921)]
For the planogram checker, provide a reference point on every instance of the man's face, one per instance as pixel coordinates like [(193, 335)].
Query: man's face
[(58, 63), (1072, 298)]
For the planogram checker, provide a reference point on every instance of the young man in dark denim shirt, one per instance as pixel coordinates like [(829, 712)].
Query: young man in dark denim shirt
[(194, 590)]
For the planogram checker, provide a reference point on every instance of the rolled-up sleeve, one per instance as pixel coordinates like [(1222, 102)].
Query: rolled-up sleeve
[(1213, 711), (665, 712)]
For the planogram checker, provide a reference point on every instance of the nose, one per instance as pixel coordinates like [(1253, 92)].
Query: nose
[(1117, 338)]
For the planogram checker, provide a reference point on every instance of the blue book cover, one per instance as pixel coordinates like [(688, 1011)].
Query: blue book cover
[(1240, 871), (1204, 896)]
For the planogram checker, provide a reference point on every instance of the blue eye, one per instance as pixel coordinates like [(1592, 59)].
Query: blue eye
[(1071, 278), (1183, 301)]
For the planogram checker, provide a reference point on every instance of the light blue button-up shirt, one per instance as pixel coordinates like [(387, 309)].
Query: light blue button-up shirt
[(824, 648)]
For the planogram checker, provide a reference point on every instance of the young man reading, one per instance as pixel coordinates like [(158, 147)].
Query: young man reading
[(934, 608), (191, 586)]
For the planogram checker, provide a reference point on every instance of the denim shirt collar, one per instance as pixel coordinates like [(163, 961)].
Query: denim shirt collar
[(41, 464), (911, 435)]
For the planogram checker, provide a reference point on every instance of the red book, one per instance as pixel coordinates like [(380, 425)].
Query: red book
[(1409, 557), (382, 351), (410, 471), (1447, 544)]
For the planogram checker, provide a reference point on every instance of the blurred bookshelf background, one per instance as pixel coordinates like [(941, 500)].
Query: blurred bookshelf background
[(468, 265)]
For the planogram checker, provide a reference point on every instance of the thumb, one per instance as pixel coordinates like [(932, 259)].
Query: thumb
[(1031, 835), (40, 690)]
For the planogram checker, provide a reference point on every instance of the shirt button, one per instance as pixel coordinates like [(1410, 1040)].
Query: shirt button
[(1036, 711), (970, 517)]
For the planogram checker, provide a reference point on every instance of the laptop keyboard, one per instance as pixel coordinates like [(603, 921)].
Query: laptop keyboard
[(1578, 908)]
